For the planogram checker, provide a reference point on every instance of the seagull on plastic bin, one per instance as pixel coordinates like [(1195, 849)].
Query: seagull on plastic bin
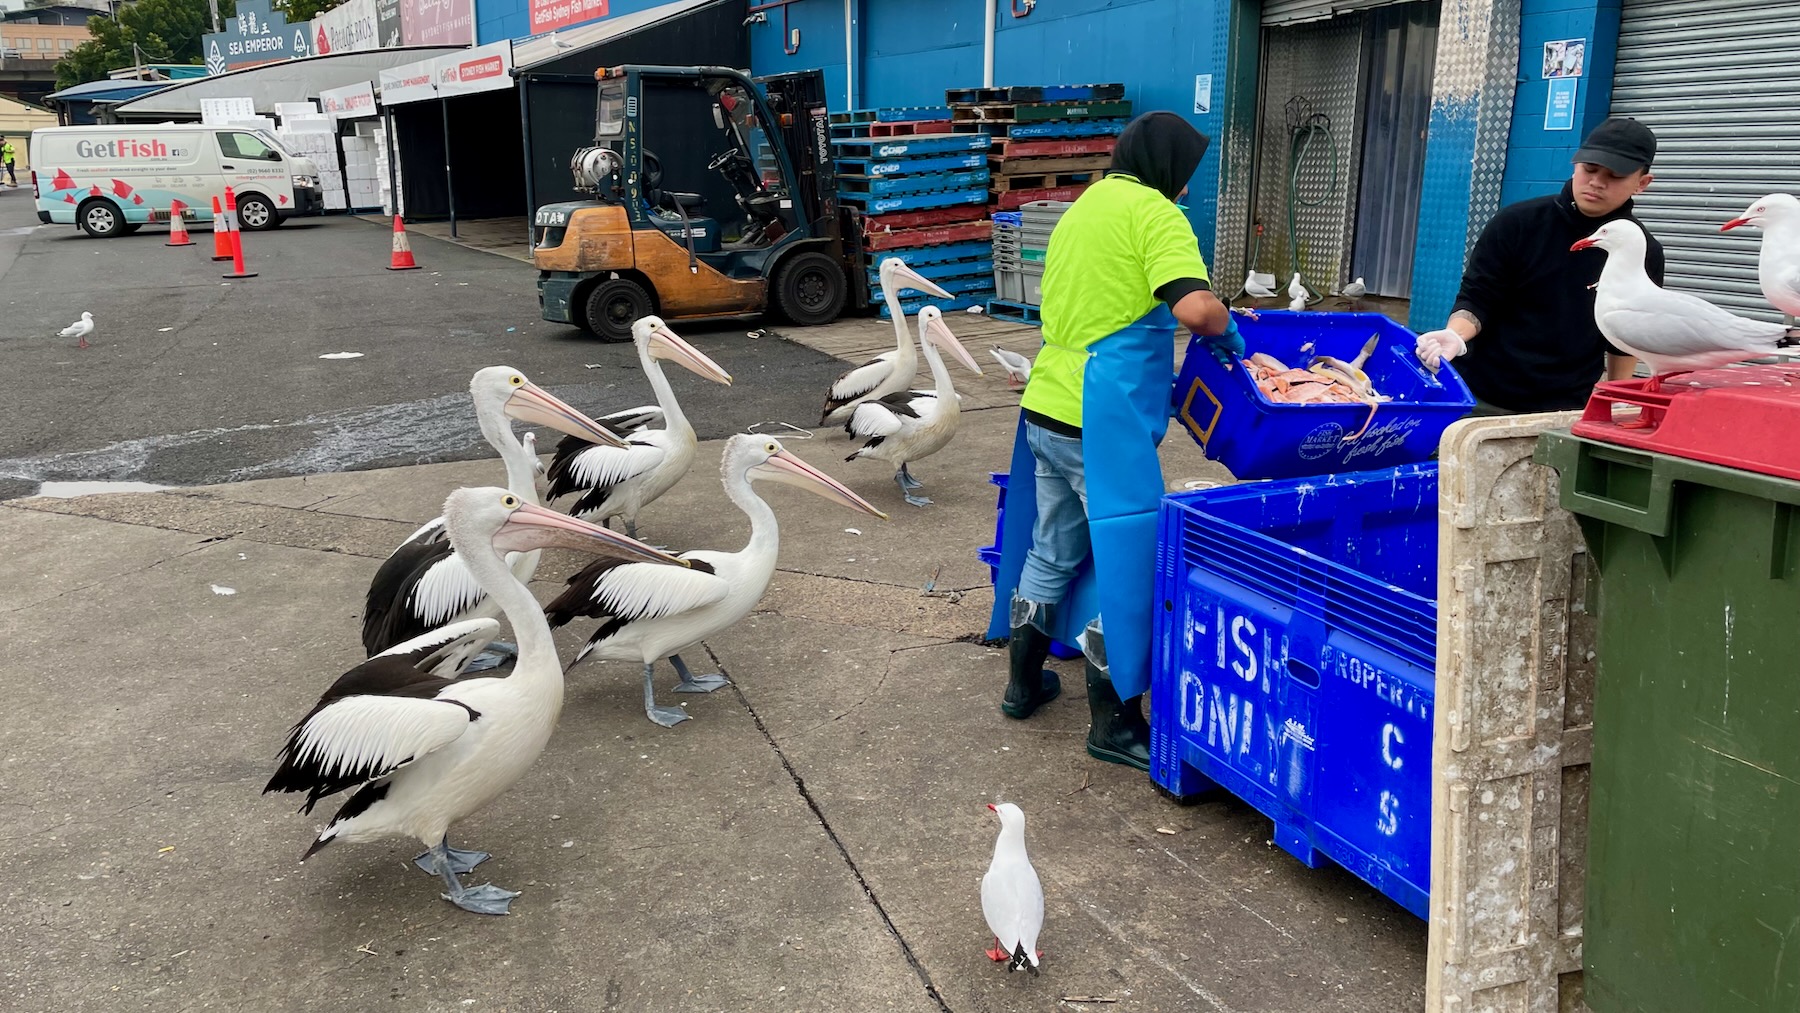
[(1018, 367), (79, 329), (1296, 294), (423, 746), (1673, 332), (889, 372), (913, 425), (424, 584), (651, 612), (1778, 265), (619, 481), (1012, 898)]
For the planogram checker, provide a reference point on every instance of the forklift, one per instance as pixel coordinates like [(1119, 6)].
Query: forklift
[(774, 238)]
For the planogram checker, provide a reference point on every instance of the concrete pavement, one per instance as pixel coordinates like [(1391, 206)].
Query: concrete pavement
[(813, 840)]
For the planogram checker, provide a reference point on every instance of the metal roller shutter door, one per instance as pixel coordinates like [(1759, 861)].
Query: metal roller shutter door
[(1294, 12), (1719, 82)]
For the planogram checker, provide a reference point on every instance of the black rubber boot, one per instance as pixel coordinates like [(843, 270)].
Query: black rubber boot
[(1119, 733), (1031, 685)]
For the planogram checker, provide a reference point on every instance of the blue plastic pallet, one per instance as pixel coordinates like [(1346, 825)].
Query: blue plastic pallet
[(1294, 664), (1049, 130), (1017, 312), (909, 166), (916, 255), (990, 555), (916, 144), (961, 302), (892, 114), (950, 269), (873, 205), (1256, 438), (881, 186)]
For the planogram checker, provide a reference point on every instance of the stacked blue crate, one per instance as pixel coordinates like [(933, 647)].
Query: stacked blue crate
[(915, 181)]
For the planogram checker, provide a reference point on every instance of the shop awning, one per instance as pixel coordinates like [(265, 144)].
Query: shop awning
[(563, 52), (287, 81)]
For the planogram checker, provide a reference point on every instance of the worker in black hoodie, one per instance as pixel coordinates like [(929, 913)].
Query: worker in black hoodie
[(1522, 330)]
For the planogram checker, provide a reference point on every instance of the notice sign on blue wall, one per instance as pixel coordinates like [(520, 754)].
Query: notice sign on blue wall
[(1559, 109)]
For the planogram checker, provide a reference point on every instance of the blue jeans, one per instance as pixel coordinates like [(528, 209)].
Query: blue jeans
[(1059, 541)]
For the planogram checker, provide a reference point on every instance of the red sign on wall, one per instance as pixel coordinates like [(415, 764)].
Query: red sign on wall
[(551, 14)]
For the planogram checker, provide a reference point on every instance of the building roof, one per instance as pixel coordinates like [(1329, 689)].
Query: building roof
[(282, 81), (106, 91)]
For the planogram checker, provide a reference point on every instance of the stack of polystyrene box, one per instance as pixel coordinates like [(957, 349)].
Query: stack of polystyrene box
[(315, 137), (360, 180)]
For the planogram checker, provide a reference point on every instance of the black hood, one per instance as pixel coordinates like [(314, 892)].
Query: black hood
[(1162, 150)]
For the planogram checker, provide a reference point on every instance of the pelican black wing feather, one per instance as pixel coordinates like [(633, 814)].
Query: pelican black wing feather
[(560, 474), (578, 598), (386, 619)]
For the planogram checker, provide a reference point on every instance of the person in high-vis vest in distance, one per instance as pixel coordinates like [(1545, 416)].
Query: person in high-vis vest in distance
[(1123, 268), (9, 158)]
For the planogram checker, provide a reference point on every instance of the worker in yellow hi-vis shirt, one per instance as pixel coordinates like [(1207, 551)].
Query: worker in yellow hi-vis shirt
[(1122, 270)]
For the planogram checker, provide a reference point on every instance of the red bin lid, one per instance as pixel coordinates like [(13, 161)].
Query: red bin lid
[(1744, 417)]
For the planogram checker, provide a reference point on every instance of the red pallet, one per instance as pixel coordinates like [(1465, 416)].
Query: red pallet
[(874, 225), (900, 239), (1010, 147), (1708, 416), (908, 128), (1012, 200)]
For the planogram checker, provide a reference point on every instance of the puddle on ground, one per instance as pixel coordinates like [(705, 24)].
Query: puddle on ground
[(69, 490)]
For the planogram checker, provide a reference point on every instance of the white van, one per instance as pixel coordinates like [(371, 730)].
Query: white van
[(112, 179)]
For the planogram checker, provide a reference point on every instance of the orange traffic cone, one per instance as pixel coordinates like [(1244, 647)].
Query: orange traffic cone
[(178, 234), (221, 237), (403, 258), (236, 237)]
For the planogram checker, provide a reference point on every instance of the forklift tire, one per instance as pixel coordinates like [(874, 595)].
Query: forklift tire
[(810, 289), (612, 306)]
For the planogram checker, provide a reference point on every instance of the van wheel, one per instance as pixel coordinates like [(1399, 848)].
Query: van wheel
[(256, 214), (612, 306), (810, 288), (101, 219)]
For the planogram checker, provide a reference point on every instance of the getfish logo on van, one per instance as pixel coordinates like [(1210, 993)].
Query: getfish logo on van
[(127, 147)]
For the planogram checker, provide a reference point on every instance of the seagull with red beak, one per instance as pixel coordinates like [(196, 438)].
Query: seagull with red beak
[(1778, 265), (1012, 899)]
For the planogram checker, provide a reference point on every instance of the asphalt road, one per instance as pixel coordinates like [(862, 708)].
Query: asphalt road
[(192, 380)]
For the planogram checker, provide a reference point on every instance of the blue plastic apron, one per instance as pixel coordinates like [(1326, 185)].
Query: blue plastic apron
[(1124, 416)]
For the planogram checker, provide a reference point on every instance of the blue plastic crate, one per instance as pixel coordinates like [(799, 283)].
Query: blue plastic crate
[(1255, 438), (1295, 663), (990, 554)]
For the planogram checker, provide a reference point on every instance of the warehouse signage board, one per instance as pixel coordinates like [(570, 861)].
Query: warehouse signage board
[(352, 101), (414, 82), (346, 28), (483, 68), (257, 35), (547, 15), (437, 22)]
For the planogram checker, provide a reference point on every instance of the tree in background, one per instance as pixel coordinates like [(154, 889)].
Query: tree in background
[(164, 31), (304, 10)]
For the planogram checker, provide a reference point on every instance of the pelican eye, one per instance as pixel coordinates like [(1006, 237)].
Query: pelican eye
[(773, 449), (516, 380), (509, 501)]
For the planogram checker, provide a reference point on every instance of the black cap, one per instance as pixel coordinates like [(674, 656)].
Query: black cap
[(1621, 143)]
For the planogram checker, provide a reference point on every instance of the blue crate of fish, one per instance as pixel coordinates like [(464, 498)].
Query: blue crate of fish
[(990, 555), (1295, 663), (1254, 437)]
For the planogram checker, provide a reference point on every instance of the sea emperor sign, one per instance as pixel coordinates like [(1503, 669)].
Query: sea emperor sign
[(547, 15), (257, 35)]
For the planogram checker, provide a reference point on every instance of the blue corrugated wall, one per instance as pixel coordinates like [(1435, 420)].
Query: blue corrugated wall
[(511, 19), (910, 51)]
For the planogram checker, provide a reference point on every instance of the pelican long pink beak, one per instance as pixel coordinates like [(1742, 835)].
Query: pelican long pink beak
[(906, 277), (533, 527), (666, 344), (790, 470), (535, 405), (939, 333)]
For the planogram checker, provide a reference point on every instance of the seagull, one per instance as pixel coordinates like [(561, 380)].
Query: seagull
[(1673, 332), (1778, 267), (1255, 289), (1354, 291), (79, 329), (1296, 294), (1018, 367), (1012, 899)]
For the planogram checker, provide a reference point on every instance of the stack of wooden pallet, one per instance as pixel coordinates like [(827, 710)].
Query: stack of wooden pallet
[(1049, 142), (921, 193)]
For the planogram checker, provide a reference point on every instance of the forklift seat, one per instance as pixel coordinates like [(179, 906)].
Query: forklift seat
[(673, 200)]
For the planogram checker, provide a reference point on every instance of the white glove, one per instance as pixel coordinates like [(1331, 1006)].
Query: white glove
[(1438, 347)]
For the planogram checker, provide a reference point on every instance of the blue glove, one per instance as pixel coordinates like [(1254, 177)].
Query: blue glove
[(1227, 347)]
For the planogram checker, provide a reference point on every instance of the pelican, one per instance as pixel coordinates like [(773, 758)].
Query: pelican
[(620, 481), (423, 584), (652, 612), (912, 425), (1018, 367), (427, 748), (889, 372)]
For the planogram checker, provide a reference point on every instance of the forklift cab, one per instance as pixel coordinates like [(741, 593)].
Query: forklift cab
[(735, 216)]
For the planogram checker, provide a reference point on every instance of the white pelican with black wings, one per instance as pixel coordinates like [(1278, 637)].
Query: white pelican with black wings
[(426, 747), (651, 612), (888, 372), (619, 481), (914, 424)]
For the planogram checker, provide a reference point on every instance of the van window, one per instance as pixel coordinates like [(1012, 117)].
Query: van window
[(237, 144)]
